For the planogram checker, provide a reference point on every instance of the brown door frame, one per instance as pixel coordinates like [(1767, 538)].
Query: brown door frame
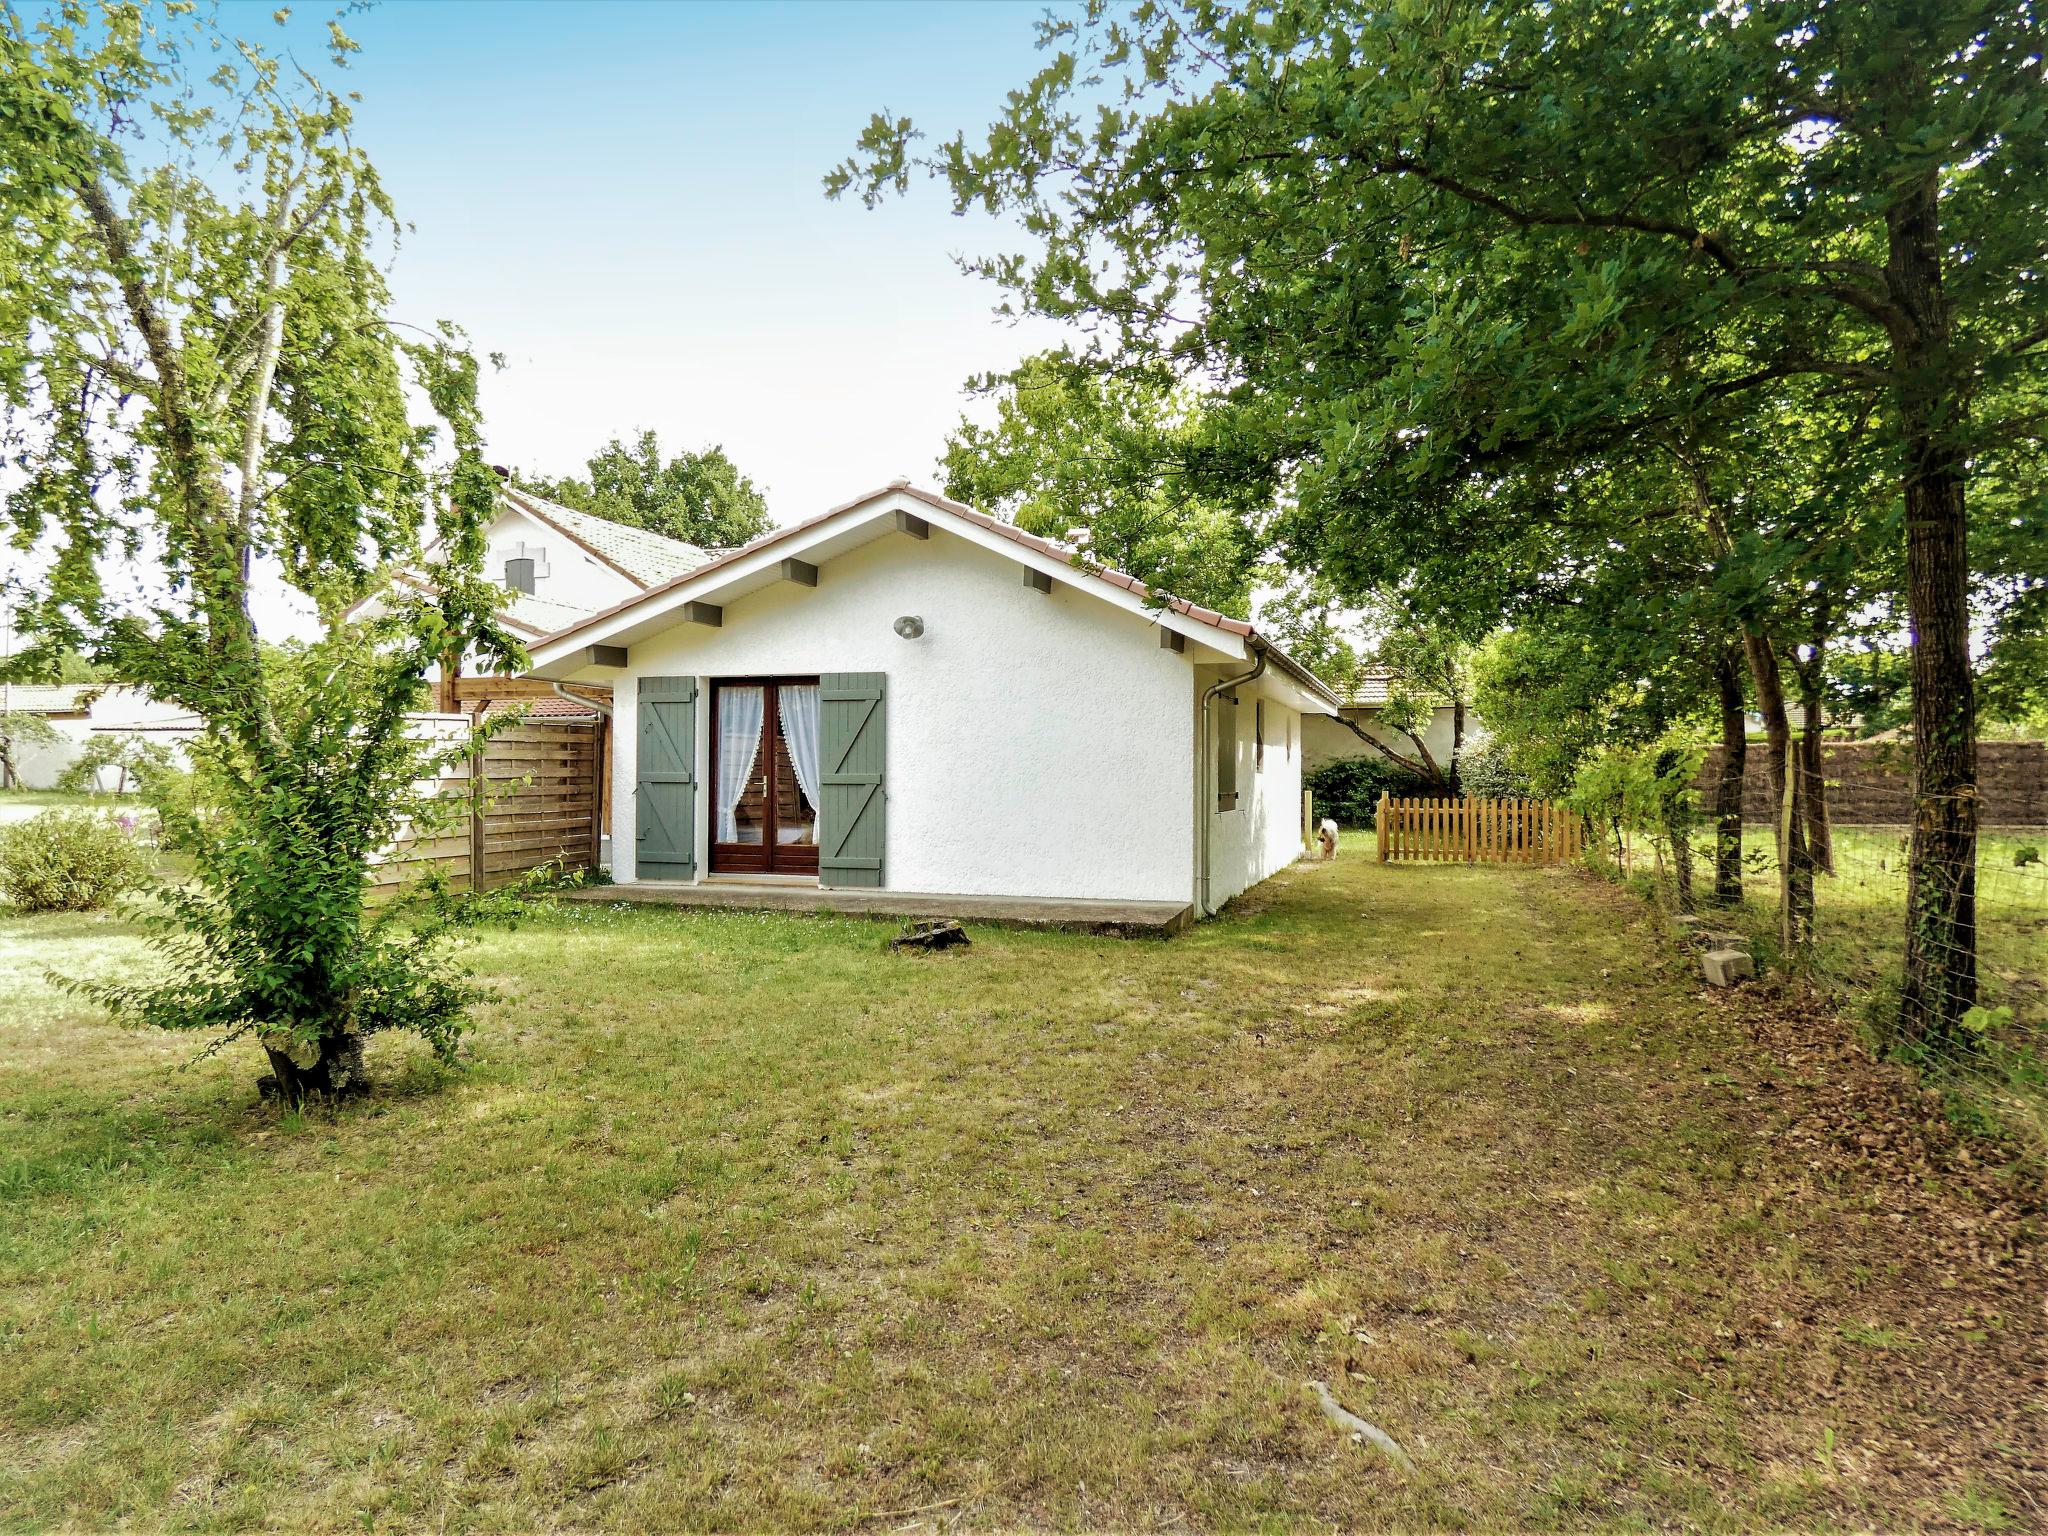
[(768, 857)]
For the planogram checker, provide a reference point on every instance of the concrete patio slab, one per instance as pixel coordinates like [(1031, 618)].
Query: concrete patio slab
[(1128, 919)]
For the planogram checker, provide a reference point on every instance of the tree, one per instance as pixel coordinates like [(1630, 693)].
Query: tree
[(200, 376), (1422, 665), (700, 498), (1420, 239), (1113, 466), (21, 729), (132, 756)]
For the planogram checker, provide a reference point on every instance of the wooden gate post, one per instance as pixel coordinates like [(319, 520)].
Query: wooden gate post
[(476, 809), (599, 731), (1380, 821)]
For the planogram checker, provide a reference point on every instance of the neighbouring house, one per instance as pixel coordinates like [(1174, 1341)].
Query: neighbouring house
[(66, 708), (1326, 740), (558, 566), (78, 711), (906, 695)]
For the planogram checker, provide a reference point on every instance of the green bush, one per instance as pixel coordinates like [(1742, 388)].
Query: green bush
[(1486, 773), (68, 861), (1349, 789)]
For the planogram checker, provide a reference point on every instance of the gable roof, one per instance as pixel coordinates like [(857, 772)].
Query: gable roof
[(538, 616), (1089, 573), (643, 557)]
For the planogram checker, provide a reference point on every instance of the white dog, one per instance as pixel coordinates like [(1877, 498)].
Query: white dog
[(1326, 837)]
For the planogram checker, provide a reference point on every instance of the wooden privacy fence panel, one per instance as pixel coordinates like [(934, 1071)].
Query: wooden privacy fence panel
[(1462, 830), (531, 797)]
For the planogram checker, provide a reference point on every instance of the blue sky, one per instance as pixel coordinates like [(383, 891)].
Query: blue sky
[(624, 199)]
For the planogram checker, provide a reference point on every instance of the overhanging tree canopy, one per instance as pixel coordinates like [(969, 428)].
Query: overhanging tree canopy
[(1415, 241)]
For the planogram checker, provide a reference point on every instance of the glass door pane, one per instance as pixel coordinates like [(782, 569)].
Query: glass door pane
[(741, 772), (796, 769)]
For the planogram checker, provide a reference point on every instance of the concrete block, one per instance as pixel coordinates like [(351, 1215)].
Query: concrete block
[(1725, 967)]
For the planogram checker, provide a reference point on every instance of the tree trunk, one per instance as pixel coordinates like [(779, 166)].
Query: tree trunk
[(1941, 896), (1681, 859), (1728, 787), (1795, 873), (1820, 837), (332, 1069), (1457, 744)]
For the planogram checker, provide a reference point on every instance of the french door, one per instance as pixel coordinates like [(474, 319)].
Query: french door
[(764, 776)]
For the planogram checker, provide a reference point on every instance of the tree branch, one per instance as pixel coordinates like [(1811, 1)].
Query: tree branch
[(1426, 769)]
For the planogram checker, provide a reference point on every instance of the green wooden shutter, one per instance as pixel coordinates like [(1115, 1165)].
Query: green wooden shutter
[(850, 761), (666, 809)]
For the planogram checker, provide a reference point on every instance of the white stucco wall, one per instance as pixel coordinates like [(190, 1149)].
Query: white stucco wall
[(572, 574), (1262, 835), (41, 765), (1038, 744), (116, 709), (1328, 741)]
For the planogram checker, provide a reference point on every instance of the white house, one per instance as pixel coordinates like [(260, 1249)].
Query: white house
[(907, 695)]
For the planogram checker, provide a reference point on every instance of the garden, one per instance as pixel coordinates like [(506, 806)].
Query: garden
[(727, 1219)]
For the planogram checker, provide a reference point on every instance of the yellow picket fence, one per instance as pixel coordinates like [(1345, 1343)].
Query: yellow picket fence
[(1498, 831)]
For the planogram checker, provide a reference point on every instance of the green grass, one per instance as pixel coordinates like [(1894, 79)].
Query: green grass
[(20, 804), (739, 1221)]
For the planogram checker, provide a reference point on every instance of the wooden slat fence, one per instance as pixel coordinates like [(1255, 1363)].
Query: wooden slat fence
[(1469, 829), (532, 798)]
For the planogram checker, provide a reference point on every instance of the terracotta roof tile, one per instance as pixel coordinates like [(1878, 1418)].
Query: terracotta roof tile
[(1115, 578)]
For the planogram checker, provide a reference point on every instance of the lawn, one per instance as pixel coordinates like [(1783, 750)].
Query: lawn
[(20, 804), (739, 1221)]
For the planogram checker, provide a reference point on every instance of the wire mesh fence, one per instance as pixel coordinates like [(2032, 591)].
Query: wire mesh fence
[(1995, 1066)]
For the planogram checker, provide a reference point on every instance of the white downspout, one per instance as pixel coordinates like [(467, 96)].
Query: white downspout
[(1207, 734)]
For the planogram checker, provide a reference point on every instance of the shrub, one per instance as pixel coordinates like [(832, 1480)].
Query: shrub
[(1349, 789), (68, 861), (1486, 772)]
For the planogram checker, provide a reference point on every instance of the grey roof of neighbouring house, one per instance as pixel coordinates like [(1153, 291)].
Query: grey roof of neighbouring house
[(50, 698), (538, 615), (643, 557)]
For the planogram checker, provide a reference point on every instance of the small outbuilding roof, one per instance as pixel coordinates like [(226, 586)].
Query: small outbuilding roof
[(1370, 688)]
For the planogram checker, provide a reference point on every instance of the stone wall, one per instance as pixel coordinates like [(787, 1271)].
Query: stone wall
[(1870, 783)]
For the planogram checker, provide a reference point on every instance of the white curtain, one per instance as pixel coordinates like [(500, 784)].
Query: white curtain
[(799, 706), (739, 740)]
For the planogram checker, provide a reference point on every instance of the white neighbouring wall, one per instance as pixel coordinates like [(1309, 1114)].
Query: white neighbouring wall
[(1263, 834), (567, 573), (1038, 744)]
